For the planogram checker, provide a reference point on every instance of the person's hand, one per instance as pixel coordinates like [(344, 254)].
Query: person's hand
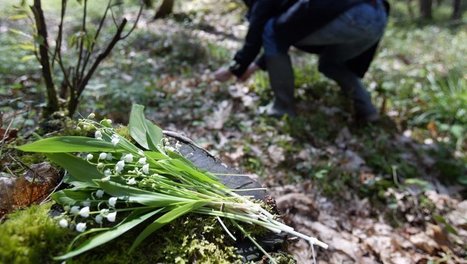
[(251, 69), (223, 74)]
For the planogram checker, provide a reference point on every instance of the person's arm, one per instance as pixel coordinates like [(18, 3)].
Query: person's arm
[(261, 62), (261, 11)]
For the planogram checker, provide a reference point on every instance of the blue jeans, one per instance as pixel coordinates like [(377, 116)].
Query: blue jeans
[(345, 37)]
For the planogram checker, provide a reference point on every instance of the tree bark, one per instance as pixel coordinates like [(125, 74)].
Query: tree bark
[(147, 3), (426, 9), (410, 9), (165, 9), (456, 9), (52, 99)]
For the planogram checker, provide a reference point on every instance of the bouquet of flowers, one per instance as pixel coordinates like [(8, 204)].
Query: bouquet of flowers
[(119, 182)]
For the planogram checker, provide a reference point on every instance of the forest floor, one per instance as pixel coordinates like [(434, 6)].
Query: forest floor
[(387, 192)]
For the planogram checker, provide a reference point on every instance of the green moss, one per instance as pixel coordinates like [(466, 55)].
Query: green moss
[(189, 239), (124, 131), (32, 236), (283, 258)]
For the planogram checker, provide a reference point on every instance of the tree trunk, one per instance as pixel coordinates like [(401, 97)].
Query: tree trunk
[(147, 3), (410, 9), (456, 9), (425, 9), (52, 100), (165, 9)]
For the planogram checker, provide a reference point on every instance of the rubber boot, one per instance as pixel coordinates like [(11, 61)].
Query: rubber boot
[(281, 79)]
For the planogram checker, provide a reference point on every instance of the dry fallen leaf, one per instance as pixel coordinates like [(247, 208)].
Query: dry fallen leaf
[(236, 155), (36, 184), (297, 203), (351, 161), (276, 154), (458, 217), (7, 135), (219, 116), (424, 242)]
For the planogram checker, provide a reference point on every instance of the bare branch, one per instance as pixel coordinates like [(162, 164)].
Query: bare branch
[(102, 55), (136, 22), (58, 41), (81, 43), (101, 24), (76, 93), (64, 71), (113, 18)]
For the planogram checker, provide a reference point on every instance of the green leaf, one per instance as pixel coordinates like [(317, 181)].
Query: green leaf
[(143, 131), (462, 179), (155, 155), (71, 196), (417, 182), (143, 197), (155, 136), (27, 58), (134, 219), (165, 219), (21, 33), (28, 47), (185, 168), (441, 220), (69, 144), (79, 169), (137, 125)]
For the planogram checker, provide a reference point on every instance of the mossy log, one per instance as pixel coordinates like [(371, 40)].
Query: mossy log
[(32, 236)]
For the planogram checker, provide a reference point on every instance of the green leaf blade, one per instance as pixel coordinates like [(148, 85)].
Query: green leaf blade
[(143, 197), (143, 131), (79, 169), (137, 125), (66, 144), (70, 196), (132, 221)]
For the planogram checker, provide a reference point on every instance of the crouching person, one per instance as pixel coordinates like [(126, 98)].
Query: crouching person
[(344, 34)]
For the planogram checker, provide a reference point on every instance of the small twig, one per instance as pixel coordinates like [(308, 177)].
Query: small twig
[(9, 171), (81, 43), (64, 71), (96, 36), (53, 191), (136, 22), (3, 142), (23, 164), (113, 18), (58, 41), (101, 57)]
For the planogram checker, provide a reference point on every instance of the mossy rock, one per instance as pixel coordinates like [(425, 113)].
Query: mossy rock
[(32, 236)]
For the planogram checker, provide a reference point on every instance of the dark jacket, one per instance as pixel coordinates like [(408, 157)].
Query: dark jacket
[(294, 20)]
